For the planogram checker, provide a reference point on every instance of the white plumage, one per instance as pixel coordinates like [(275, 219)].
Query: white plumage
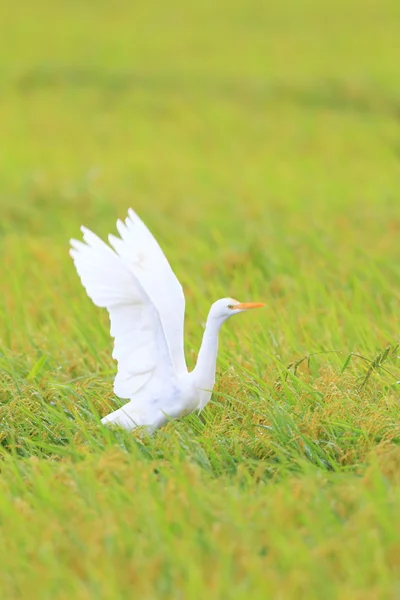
[(146, 304)]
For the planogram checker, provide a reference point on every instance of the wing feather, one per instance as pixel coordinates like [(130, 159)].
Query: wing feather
[(140, 346), (144, 257)]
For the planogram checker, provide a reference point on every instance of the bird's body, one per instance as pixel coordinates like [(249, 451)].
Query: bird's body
[(145, 301)]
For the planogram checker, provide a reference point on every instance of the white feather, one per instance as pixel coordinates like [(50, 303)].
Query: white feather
[(144, 257), (146, 305), (139, 341)]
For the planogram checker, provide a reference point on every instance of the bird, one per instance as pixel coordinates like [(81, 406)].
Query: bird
[(132, 278)]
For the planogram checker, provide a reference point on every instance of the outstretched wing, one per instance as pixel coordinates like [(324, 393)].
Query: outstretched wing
[(143, 255), (140, 346)]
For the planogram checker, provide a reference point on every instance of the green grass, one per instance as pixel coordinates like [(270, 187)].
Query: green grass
[(259, 142)]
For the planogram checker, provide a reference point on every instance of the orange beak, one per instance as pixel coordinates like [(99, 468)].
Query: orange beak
[(248, 305)]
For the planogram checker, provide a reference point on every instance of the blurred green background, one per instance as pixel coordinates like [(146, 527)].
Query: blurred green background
[(243, 106)]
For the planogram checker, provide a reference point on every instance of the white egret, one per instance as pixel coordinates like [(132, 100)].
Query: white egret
[(145, 301)]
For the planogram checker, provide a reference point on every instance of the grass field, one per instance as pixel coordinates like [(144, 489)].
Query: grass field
[(260, 143)]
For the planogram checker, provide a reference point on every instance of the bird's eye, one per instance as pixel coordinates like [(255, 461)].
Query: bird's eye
[(231, 306)]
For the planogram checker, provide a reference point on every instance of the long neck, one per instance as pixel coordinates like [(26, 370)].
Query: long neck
[(207, 359)]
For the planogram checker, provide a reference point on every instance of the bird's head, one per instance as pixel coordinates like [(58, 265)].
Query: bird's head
[(227, 307)]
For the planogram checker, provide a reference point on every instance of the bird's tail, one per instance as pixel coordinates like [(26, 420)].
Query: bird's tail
[(130, 419)]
